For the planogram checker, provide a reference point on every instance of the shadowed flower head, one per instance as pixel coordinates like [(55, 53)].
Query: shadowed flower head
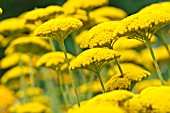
[(42, 14), (100, 35), (13, 59), (28, 45), (13, 27), (58, 29), (142, 24), (1, 11), (93, 58), (53, 59)]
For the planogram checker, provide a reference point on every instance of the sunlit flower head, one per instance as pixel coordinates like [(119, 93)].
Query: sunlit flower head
[(72, 5), (151, 100), (13, 27), (51, 59), (7, 96), (30, 92), (30, 107), (42, 14), (13, 59), (93, 58), (44, 99), (58, 29), (1, 11), (142, 25), (28, 45), (15, 72), (100, 35)]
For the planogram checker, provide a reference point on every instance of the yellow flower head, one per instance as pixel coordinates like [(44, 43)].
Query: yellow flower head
[(13, 59), (7, 96), (1, 11), (53, 59), (42, 14), (142, 24), (107, 12), (151, 100), (13, 27), (42, 99), (28, 45), (58, 29), (117, 82), (30, 92), (72, 5), (81, 36), (30, 107), (15, 72), (100, 35), (93, 58)]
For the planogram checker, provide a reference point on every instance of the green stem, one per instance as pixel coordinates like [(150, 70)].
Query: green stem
[(52, 44), (89, 20), (161, 36), (90, 93), (31, 72), (120, 69), (70, 72), (154, 61), (101, 82)]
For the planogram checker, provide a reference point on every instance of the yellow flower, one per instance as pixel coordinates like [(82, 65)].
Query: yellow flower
[(142, 25), (13, 59), (100, 35), (7, 96), (151, 100), (28, 45), (58, 29), (30, 92), (93, 58), (4, 41), (117, 82), (72, 5), (53, 59), (30, 107), (41, 99), (15, 72), (1, 11), (107, 12), (127, 43), (13, 27), (40, 15), (81, 36)]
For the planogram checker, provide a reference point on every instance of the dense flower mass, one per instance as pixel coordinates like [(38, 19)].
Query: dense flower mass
[(100, 35), (58, 29), (94, 56)]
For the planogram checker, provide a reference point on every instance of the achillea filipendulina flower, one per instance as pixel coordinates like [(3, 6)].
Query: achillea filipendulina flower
[(13, 59), (72, 6), (30, 107), (51, 59), (1, 11), (4, 41), (146, 83), (15, 72), (41, 15), (30, 92), (93, 58), (151, 100), (142, 25), (58, 29), (41, 99), (13, 27), (28, 45), (117, 82), (7, 96), (127, 43), (100, 35), (112, 13), (81, 36)]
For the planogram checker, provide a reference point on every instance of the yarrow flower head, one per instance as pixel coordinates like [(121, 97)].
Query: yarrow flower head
[(93, 58), (53, 59), (28, 45), (1, 11), (100, 35), (58, 29)]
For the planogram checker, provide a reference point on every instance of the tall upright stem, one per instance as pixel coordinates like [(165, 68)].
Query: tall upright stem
[(52, 44), (154, 61), (101, 82), (70, 72), (120, 69), (31, 72)]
